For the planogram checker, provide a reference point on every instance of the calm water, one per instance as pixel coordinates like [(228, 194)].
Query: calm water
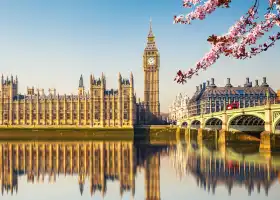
[(130, 169)]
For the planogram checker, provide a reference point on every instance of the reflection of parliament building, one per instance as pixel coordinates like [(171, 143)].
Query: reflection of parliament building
[(98, 107), (99, 162), (96, 161)]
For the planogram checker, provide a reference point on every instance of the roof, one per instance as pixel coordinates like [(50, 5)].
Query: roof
[(230, 91)]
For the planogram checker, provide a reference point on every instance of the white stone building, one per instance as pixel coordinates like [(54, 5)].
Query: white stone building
[(179, 108)]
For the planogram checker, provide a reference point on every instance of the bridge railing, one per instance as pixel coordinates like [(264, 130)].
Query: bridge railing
[(207, 107)]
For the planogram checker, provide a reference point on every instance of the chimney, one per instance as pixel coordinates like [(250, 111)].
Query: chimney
[(197, 88), (248, 83), (228, 83), (264, 83), (256, 83), (212, 81), (208, 83), (200, 86)]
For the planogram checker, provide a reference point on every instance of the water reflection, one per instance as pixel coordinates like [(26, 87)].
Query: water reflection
[(97, 162), (225, 167)]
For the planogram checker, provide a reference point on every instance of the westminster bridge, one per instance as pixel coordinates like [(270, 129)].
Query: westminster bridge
[(97, 162), (265, 117)]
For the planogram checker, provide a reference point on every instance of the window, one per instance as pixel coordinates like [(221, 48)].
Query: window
[(125, 105), (96, 106), (125, 116)]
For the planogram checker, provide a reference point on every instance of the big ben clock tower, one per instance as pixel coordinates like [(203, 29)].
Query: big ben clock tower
[(151, 79)]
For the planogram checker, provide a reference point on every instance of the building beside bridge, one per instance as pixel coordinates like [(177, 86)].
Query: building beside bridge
[(210, 98), (179, 108)]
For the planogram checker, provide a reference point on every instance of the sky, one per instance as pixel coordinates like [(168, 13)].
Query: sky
[(49, 44)]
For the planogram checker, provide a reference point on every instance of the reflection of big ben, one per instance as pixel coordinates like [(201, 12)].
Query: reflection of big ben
[(152, 177), (151, 79)]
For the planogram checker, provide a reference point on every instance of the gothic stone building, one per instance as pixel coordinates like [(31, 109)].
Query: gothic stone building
[(148, 111), (98, 107)]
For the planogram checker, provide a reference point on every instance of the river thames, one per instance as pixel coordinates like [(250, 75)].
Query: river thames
[(131, 168)]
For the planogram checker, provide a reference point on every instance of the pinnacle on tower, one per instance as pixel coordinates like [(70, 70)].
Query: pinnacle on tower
[(81, 82), (91, 79), (151, 34), (151, 44)]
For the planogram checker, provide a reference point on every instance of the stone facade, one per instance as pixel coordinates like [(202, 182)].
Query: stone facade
[(98, 107), (209, 98), (179, 108)]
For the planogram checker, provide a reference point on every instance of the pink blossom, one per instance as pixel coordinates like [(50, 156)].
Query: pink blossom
[(237, 42)]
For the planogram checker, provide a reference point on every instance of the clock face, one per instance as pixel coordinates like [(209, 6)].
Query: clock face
[(151, 60)]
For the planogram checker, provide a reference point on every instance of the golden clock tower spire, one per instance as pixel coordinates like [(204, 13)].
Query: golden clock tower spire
[(151, 79), (151, 35)]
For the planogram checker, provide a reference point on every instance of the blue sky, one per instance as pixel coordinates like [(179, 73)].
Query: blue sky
[(49, 44)]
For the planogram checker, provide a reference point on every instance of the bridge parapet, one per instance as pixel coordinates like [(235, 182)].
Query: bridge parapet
[(267, 115)]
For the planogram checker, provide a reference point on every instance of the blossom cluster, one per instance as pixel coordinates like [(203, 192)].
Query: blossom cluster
[(237, 43)]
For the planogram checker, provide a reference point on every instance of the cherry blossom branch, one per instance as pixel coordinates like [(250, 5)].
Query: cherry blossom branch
[(200, 11), (240, 37)]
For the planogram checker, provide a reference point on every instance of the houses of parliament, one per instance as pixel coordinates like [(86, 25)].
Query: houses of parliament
[(98, 107)]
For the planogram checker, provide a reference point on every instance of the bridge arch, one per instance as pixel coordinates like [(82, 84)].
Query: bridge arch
[(195, 123), (184, 123), (213, 123), (246, 122), (276, 123)]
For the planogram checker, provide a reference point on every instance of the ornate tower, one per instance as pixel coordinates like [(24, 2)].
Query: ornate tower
[(81, 86), (151, 79), (8, 90)]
